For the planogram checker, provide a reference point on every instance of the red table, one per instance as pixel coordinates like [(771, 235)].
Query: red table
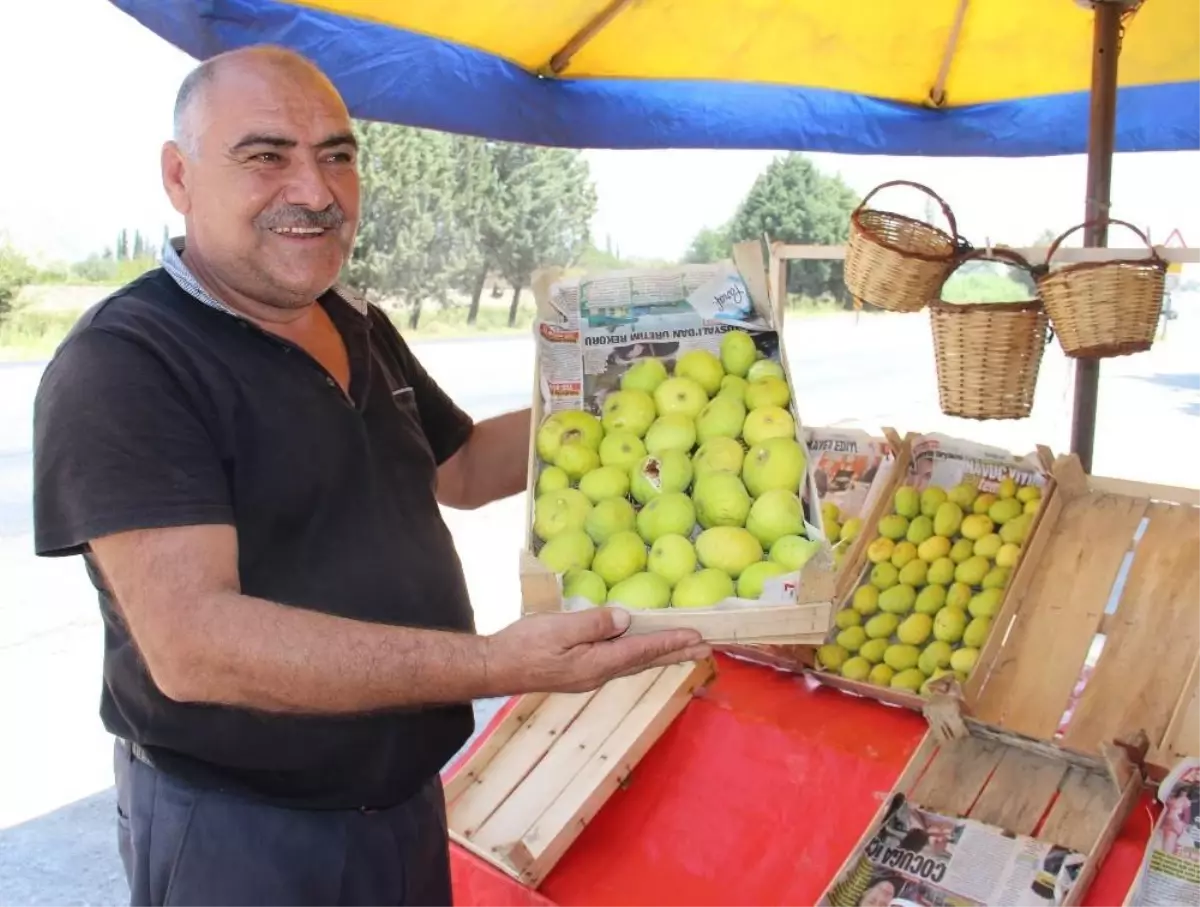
[(755, 795)]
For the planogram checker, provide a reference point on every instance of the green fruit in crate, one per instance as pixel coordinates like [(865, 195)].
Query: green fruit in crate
[(667, 514), (893, 526), (845, 618), (730, 549), (850, 529), (882, 626), (963, 660), (622, 449), (919, 530), (552, 479), (671, 432), (628, 410), (643, 591), (941, 572), (962, 550), (764, 368), (610, 516), (680, 396), (906, 501), (721, 500), (852, 638), (1031, 507), (931, 599), (576, 460), (949, 624), (932, 498), (881, 675), (775, 463), (621, 556), (997, 578), (986, 603), (794, 551), (1004, 510), (831, 656), (702, 589), (913, 573), (972, 570), (933, 656), (976, 633), (901, 656), (1027, 493), (702, 367), (570, 426), (773, 515), (558, 511), (738, 353), (672, 557), (718, 455), (734, 386), (915, 629), (832, 530), (903, 553), (584, 584), (959, 596), (722, 417), (881, 550), (830, 512), (644, 375), (1007, 489), (605, 482), (910, 680), (988, 546), (856, 668), (963, 495), (866, 599), (767, 391), (1016, 530), (976, 526), (568, 550), (1008, 555), (897, 599), (766, 423), (872, 650), (884, 576), (661, 474), (983, 503), (750, 585), (948, 519), (934, 549)]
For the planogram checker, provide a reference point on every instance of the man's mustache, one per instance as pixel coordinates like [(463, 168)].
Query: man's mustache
[(330, 218)]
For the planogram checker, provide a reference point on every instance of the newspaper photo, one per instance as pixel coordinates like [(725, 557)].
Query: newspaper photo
[(921, 858), (850, 467), (1170, 871)]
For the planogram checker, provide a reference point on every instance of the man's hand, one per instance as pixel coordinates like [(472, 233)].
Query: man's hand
[(580, 651)]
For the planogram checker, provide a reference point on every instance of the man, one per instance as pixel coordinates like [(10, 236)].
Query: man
[(251, 463)]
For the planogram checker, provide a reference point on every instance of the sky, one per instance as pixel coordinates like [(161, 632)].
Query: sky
[(85, 162)]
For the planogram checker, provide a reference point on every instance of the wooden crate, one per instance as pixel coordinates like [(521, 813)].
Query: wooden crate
[(522, 798)]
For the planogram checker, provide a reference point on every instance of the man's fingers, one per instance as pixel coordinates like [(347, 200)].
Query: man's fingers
[(632, 652), (593, 625), (694, 653)]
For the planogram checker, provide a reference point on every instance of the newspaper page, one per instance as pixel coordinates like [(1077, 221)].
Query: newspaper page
[(1170, 872), (944, 461), (850, 466), (922, 858)]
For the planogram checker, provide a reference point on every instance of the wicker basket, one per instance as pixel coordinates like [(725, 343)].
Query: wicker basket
[(988, 354), (1106, 308), (895, 262)]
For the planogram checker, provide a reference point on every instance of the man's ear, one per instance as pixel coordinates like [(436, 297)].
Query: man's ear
[(175, 177)]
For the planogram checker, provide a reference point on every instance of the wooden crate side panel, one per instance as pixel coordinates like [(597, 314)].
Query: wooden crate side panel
[(523, 709), (1019, 792), (957, 775), (1182, 737), (1153, 636), (1039, 664), (1108, 834), (1080, 815)]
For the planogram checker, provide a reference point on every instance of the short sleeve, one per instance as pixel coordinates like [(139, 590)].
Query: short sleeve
[(117, 446)]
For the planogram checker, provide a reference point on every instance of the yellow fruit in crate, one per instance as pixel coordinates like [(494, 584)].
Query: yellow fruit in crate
[(833, 531), (1008, 555), (569, 426), (628, 410), (620, 556), (1004, 510), (584, 584), (738, 352), (972, 570), (850, 529), (897, 599), (976, 633), (1032, 506), (703, 589), (730, 549), (884, 576), (893, 526), (948, 519), (569, 550), (988, 546), (734, 387), (959, 596), (910, 680), (932, 498), (920, 529), (941, 571), (610, 516), (605, 482), (1027, 493), (962, 550), (830, 512), (851, 638), (880, 550), (915, 629), (558, 511), (866, 599), (752, 584), (997, 578), (1017, 529), (963, 495), (832, 656), (644, 375), (935, 655), (976, 526), (881, 675), (1008, 488), (934, 548), (950, 624), (914, 573), (986, 603), (644, 591), (964, 659), (901, 657), (845, 618), (906, 502), (931, 599), (703, 367), (576, 459), (882, 626), (552, 479), (983, 502), (872, 650), (903, 553), (856, 668)]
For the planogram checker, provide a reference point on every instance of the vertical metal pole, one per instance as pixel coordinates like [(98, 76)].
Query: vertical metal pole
[(1101, 138)]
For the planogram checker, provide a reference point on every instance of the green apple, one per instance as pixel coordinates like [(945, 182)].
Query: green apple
[(717, 454), (768, 422), (667, 514), (628, 410), (575, 459), (680, 395), (621, 449), (775, 463), (721, 500), (644, 375), (605, 482), (620, 556), (702, 367), (553, 479), (610, 516), (641, 591), (673, 431), (734, 386), (775, 513), (558, 511), (763, 368), (768, 391), (794, 551), (672, 557), (569, 550), (660, 474), (730, 549), (702, 589), (584, 584), (567, 426), (722, 417), (750, 583), (738, 353)]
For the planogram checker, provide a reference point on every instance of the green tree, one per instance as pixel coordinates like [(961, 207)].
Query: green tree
[(710, 245), (15, 273), (793, 202)]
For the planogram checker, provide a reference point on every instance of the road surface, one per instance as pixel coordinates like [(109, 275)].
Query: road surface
[(56, 805)]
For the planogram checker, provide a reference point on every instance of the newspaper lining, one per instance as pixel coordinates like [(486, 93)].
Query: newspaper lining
[(918, 857), (1170, 871)]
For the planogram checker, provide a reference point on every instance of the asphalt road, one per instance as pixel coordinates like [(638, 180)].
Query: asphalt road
[(56, 806)]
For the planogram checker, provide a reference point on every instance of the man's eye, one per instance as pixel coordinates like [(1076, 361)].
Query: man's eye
[(267, 157), (341, 157)]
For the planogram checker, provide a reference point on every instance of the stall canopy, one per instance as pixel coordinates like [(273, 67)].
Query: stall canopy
[(891, 77)]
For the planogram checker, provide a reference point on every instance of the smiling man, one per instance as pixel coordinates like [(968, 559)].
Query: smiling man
[(251, 461)]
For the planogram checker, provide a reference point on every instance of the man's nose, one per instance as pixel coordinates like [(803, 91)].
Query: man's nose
[(308, 185)]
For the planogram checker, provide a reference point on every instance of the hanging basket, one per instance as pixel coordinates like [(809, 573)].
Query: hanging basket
[(1102, 309), (988, 354), (894, 262)]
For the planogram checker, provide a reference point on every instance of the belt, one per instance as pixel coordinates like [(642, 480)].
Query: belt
[(137, 752)]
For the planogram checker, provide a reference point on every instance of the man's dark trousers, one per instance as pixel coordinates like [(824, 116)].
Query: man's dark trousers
[(183, 844)]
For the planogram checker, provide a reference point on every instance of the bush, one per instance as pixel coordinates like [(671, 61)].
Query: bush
[(15, 272)]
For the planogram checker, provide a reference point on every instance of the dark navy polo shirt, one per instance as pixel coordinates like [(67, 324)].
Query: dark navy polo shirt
[(158, 410)]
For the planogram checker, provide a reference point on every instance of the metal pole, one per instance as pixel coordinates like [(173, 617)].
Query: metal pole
[(1101, 138)]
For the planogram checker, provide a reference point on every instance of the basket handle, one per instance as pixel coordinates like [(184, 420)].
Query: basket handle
[(1154, 256), (937, 198)]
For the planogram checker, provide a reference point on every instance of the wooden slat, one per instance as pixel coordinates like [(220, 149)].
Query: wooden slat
[(1019, 792), (1057, 619), (468, 773), (1154, 635), (1108, 833), (1171, 494), (957, 775), (1182, 737), (568, 753), (782, 623), (1081, 812)]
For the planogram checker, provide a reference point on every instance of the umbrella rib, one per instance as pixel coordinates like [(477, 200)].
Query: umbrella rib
[(937, 94), (562, 58)]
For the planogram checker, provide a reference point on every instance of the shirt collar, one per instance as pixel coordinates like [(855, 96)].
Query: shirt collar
[(173, 264)]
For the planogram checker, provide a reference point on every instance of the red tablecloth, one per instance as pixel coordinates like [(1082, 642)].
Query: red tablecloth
[(755, 795)]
